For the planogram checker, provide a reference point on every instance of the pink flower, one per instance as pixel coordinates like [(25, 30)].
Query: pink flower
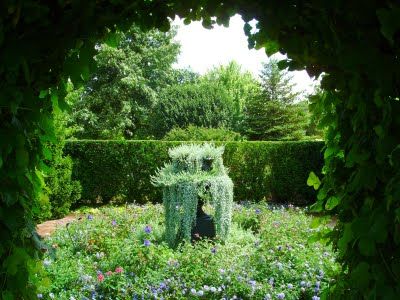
[(119, 270), (108, 273), (100, 277)]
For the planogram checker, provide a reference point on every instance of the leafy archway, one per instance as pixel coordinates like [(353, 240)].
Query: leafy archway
[(356, 43)]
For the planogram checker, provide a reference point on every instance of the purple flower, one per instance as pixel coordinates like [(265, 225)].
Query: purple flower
[(114, 223), (147, 229), (40, 296), (315, 298), (290, 286), (258, 211), (281, 296), (213, 250), (147, 243), (90, 217)]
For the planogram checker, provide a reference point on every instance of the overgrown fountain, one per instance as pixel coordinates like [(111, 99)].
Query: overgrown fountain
[(195, 176)]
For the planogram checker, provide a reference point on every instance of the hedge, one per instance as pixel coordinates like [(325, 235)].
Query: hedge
[(121, 170)]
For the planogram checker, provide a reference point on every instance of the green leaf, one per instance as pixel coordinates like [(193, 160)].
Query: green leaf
[(360, 275), (7, 295), (1, 161), (43, 94), (332, 203), (313, 181), (367, 246), (390, 22), (112, 39), (22, 157), (347, 236)]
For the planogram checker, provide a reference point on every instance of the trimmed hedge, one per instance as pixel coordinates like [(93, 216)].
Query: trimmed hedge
[(121, 170)]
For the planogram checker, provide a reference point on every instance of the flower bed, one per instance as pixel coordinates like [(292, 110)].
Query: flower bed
[(120, 253)]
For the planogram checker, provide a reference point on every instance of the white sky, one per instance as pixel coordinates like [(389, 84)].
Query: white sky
[(203, 48)]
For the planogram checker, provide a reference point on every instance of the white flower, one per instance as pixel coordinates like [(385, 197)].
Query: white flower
[(47, 262)]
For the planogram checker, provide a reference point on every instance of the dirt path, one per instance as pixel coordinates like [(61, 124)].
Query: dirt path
[(47, 228)]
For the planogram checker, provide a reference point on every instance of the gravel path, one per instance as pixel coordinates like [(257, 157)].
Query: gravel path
[(47, 228)]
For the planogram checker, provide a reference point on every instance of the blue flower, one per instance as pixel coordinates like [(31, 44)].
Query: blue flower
[(290, 286), (147, 243), (213, 250), (147, 229), (40, 296), (90, 217), (258, 211), (315, 298), (281, 296)]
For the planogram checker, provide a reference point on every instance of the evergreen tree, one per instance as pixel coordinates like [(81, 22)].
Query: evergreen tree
[(273, 114)]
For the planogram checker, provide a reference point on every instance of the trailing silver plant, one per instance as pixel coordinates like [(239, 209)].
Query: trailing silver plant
[(195, 171)]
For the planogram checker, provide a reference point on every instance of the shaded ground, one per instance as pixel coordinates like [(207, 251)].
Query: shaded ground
[(48, 227)]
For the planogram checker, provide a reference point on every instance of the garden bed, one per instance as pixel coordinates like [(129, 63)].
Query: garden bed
[(120, 253)]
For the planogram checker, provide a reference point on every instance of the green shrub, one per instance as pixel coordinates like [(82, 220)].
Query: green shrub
[(195, 133), (110, 170), (62, 190)]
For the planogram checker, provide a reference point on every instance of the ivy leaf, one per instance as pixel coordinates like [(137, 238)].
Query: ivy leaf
[(43, 94), (332, 203), (390, 22), (346, 237), (7, 295), (367, 246), (360, 275), (313, 181), (22, 157), (112, 39)]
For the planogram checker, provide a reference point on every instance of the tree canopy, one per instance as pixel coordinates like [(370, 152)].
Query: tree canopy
[(356, 43), (117, 99)]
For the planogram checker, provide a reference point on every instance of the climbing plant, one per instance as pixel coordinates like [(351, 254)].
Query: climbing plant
[(196, 171), (355, 43)]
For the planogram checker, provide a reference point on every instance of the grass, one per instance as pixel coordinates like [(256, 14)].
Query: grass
[(119, 253)]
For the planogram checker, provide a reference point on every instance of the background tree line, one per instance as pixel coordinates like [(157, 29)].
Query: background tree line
[(137, 94)]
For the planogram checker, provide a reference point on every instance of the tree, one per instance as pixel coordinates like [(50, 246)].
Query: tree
[(199, 104), (272, 114), (276, 84), (118, 98), (239, 85)]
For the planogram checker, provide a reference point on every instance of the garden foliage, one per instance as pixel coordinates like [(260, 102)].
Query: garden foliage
[(121, 170), (121, 253), (199, 104), (195, 133), (45, 44), (185, 180), (62, 190)]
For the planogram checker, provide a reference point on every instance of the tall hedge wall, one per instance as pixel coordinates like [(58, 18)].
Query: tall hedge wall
[(121, 169)]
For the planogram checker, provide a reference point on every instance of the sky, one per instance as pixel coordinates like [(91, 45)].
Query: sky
[(201, 49)]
